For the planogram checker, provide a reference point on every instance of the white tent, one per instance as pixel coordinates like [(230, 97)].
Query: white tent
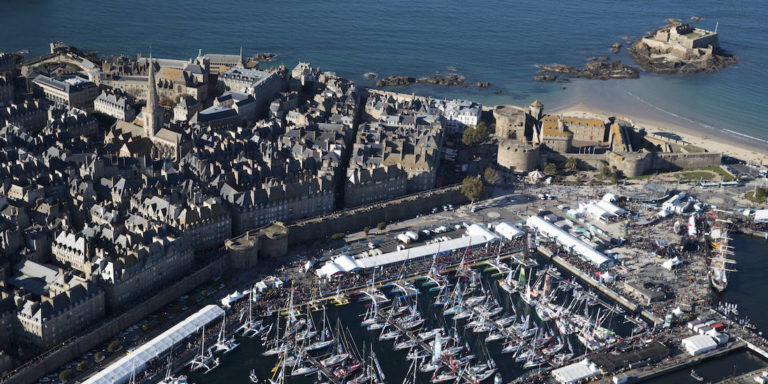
[(477, 230), (567, 240), (609, 197), (761, 216), (671, 263), (696, 345), (329, 269), (508, 231), (347, 263), (611, 208), (120, 371), (575, 372)]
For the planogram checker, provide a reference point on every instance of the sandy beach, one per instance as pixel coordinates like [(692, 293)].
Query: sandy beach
[(755, 151)]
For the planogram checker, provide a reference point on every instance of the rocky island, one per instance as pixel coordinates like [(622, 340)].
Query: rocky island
[(452, 80), (600, 70), (679, 47)]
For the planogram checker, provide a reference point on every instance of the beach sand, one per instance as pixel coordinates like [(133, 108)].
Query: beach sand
[(741, 149)]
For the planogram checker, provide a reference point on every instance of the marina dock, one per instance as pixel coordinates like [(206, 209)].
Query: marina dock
[(624, 302)]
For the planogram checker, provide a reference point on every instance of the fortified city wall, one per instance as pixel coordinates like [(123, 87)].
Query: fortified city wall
[(356, 219)]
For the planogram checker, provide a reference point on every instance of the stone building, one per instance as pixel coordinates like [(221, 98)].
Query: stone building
[(279, 202), (270, 241), (71, 250), (683, 40), (510, 122), (517, 156), (554, 135), (368, 185), (218, 63), (166, 141), (186, 108), (137, 271), (73, 121), (73, 92), (30, 115), (115, 105), (6, 89), (54, 305), (262, 85)]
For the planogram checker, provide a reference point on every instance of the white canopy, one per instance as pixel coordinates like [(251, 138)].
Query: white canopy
[(347, 263), (508, 231), (120, 371), (575, 372), (611, 208), (671, 263), (699, 344), (761, 216), (329, 269), (569, 241), (477, 235)]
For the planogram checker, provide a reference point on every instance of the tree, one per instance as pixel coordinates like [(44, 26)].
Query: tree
[(469, 137), (606, 171), (550, 169), (492, 176), (98, 356), (82, 365), (65, 375), (366, 230), (472, 188), (381, 226), (337, 236), (475, 135), (572, 164), (113, 346), (482, 130)]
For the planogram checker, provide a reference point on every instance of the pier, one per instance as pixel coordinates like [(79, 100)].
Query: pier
[(680, 362), (624, 302)]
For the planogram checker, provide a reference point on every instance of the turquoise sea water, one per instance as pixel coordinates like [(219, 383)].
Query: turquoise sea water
[(487, 40)]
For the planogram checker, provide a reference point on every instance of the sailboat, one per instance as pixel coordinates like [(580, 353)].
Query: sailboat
[(203, 359), (224, 344), (437, 354), (718, 264), (325, 337), (169, 378), (250, 328)]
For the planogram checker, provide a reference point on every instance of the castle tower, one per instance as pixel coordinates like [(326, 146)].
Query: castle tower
[(536, 109), (152, 113)]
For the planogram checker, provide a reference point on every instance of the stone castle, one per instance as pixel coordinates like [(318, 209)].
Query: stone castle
[(528, 139)]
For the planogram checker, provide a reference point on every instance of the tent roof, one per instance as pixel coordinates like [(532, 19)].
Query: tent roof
[(120, 371)]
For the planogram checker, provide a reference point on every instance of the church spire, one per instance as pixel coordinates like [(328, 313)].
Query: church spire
[(152, 113)]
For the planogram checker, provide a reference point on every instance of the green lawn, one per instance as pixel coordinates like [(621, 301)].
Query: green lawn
[(697, 175)]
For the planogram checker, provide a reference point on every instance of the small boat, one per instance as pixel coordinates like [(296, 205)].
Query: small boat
[(391, 335), (696, 376), (253, 377), (444, 377), (320, 345), (405, 344), (305, 370), (334, 360), (212, 367)]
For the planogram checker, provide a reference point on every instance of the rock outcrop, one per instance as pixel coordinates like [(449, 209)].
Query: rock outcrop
[(593, 70), (452, 80)]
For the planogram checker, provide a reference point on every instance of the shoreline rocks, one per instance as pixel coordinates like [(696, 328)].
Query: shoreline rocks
[(452, 80), (601, 70), (265, 56)]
